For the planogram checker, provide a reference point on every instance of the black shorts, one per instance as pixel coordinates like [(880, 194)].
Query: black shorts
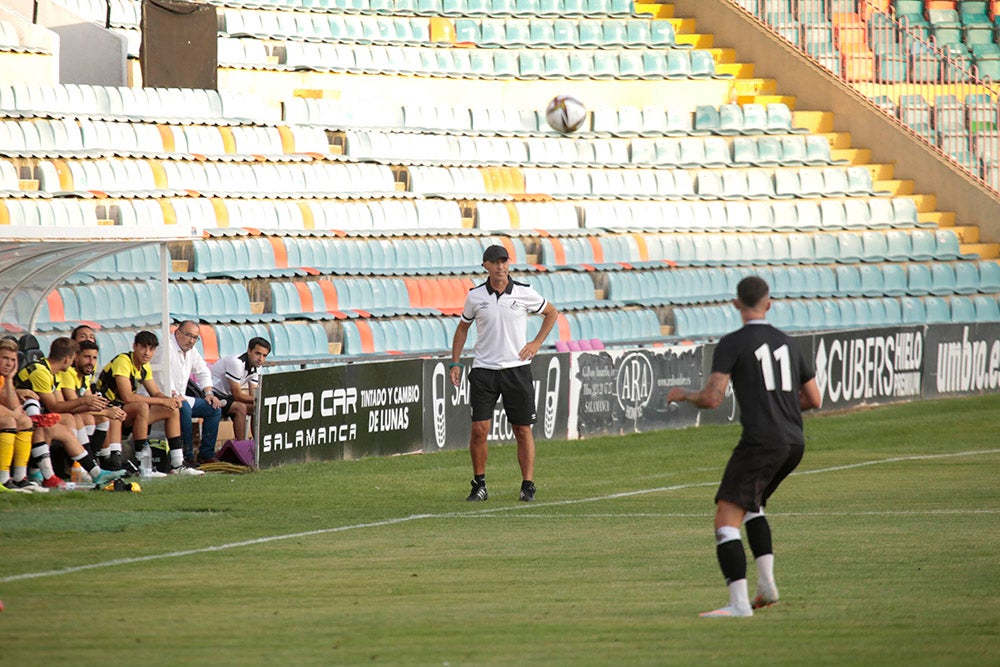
[(227, 402), (515, 385), (755, 471)]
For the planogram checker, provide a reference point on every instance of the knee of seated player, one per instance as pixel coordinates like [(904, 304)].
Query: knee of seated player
[(62, 435), (70, 421), (237, 410), (172, 425), (138, 408)]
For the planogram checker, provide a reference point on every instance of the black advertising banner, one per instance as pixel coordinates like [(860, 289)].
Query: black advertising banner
[(869, 367), (410, 405), (625, 391), (962, 359), (340, 412), (447, 421)]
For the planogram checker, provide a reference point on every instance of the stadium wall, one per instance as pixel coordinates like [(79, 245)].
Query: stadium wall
[(40, 63), (815, 88), (410, 406), (87, 53)]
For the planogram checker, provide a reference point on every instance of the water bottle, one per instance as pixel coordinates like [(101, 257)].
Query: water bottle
[(78, 475), (146, 462)]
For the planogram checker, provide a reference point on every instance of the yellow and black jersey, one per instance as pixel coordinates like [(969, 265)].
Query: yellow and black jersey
[(122, 365), (38, 377), (71, 379)]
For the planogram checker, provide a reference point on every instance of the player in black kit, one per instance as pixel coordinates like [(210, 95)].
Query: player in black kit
[(773, 382)]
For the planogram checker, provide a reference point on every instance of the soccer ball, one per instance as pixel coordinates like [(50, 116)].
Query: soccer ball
[(565, 114)]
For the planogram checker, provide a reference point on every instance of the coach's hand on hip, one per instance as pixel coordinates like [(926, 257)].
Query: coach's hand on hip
[(529, 350)]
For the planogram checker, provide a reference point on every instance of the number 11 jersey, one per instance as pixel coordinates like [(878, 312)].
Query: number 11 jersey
[(767, 369)]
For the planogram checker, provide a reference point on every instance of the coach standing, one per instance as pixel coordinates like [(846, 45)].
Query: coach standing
[(773, 382), (502, 364)]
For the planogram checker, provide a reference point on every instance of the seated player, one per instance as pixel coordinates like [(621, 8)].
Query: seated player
[(16, 429), (41, 378), (104, 426), (82, 333), (235, 379), (47, 430), (119, 382)]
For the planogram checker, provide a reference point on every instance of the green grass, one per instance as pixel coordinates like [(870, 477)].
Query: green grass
[(891, 563)]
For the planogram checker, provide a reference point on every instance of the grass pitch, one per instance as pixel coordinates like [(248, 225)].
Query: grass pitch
[(886, 542)]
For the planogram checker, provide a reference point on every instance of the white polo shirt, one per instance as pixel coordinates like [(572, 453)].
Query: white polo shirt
[(501, 322), (237, 368)]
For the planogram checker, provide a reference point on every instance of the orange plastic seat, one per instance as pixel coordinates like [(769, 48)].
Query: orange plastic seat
[(330, 295), (209, 343)]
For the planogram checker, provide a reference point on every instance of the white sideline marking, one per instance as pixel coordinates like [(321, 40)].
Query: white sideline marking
[(445, 515), (707, 515)]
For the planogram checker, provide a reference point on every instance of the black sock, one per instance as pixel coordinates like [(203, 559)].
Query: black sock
[(97, 441), (759, 536), (480, 480), (732, 560), (526, 484), (176, 442), (86, 461), (132, 464)]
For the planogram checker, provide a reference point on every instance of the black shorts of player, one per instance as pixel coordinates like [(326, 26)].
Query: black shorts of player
[(227, 402), (515, 385), (754, 472)]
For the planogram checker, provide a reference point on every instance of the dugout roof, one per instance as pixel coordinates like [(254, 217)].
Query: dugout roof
[(34, 261)]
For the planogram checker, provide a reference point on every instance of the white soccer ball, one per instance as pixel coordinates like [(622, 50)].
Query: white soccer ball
[(565, 114)]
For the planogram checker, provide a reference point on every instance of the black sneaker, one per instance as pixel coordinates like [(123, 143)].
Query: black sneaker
[(131, 467), (527, 492), (479, 492), (11, 485)]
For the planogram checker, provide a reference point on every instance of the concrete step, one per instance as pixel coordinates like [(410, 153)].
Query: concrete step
[(853, 155), (658, 10), (966, 233), (838, 140), (724, 55), (939, 218), (787, 100), (695, 39), (751, 87), (814, 121), (880, 172), (738, 70), (984, 250), (894, 187), (927, 203)]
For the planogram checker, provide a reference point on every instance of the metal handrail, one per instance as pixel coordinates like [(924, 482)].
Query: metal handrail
[(976, 149)]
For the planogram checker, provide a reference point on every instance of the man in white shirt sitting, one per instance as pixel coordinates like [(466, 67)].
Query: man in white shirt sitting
[(187, 363), (235, 379)]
